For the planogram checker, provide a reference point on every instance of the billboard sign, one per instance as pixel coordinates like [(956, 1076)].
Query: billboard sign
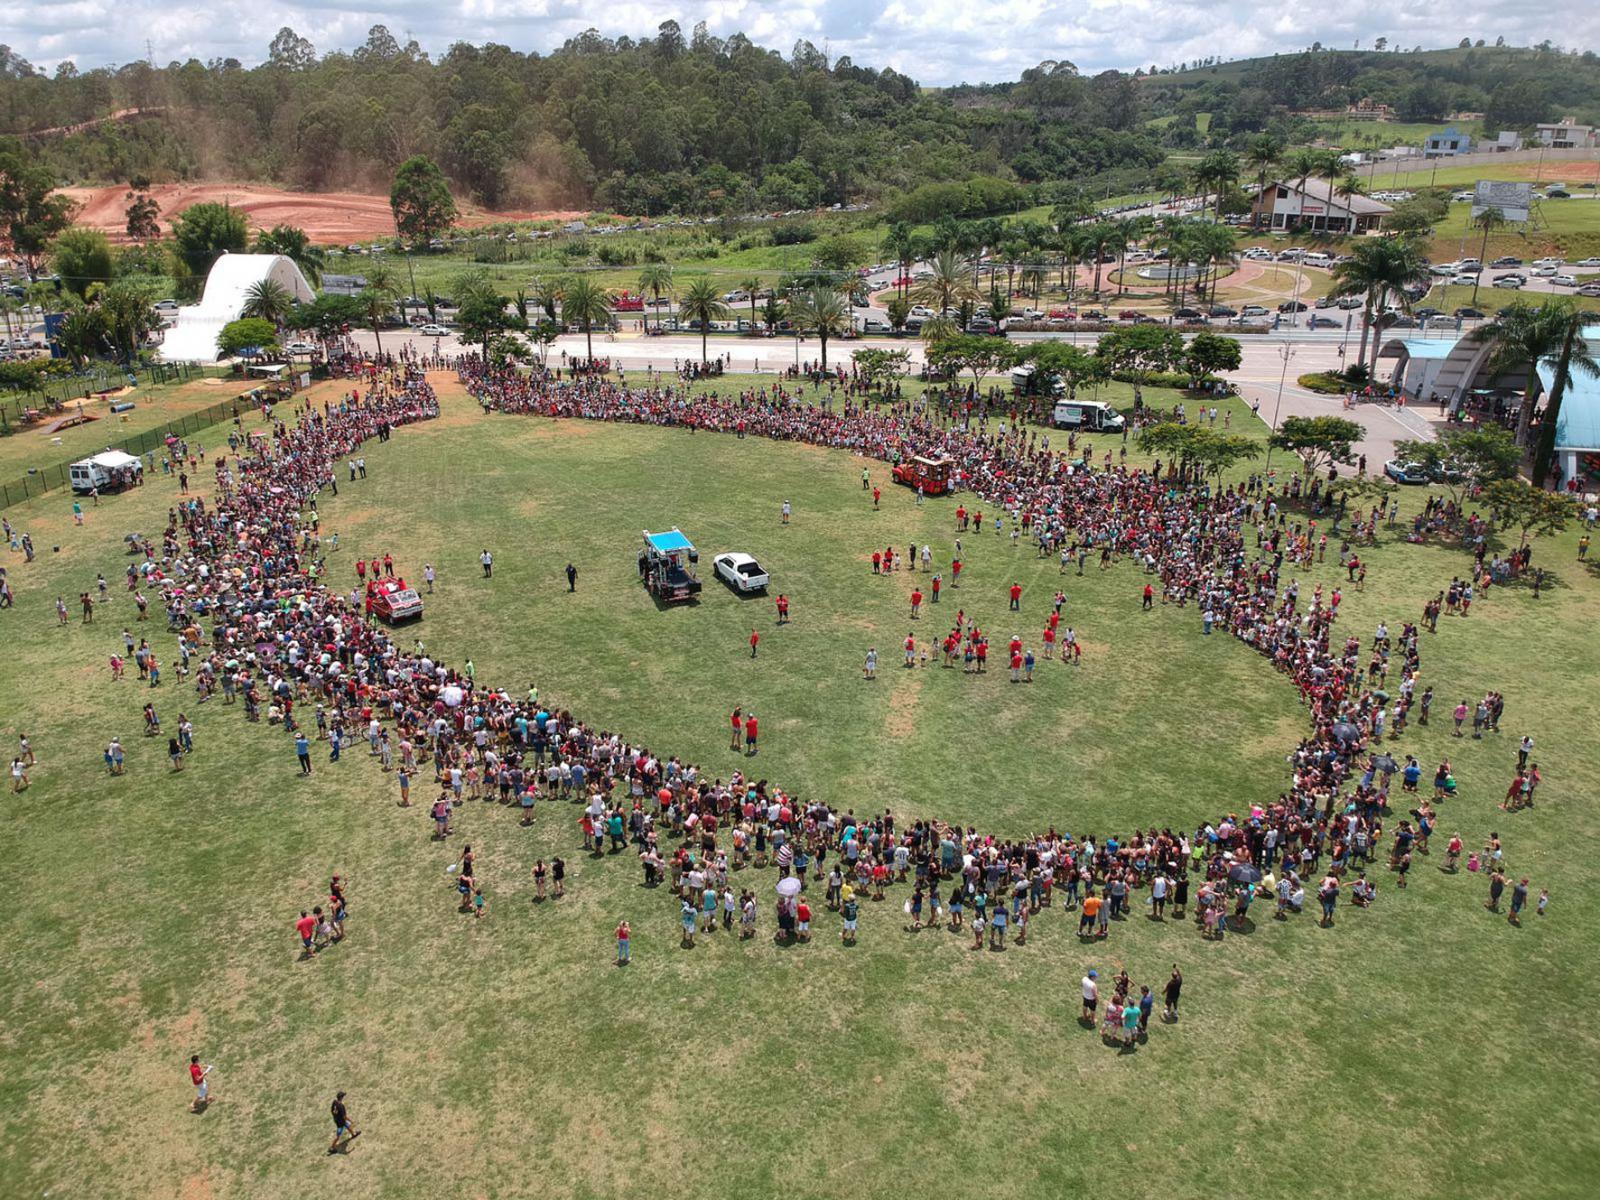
[(1512, 199)]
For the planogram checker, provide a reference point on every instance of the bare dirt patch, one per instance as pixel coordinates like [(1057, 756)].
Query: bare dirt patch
[(903, 701), (325, 216)]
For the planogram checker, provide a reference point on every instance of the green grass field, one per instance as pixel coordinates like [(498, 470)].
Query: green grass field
[(508, 1057)]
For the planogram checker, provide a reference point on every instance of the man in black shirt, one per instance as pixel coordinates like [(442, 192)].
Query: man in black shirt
[(343, 1131)]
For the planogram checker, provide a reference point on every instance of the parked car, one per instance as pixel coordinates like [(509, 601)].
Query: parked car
[(434, 331), (1467, 313), (1428, 312), (1253, 310), (1315, 322), (1222, 310), (1463, 280), (1589, 291), (1509, 281), (1506, 260), (393, 600), (1591, 261), (1405, 472), (1563, 281), (1544, 272), (740, 572), (1188, 314), (161, 305), (300, 348), (1349, 302), (1293, 306), (1548, 262)]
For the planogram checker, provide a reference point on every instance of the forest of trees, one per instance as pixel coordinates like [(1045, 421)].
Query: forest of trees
[(667, 123), (1513, 87)]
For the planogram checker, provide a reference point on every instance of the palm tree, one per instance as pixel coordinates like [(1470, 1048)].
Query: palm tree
[(1261, 156), (901, 245), (1520, 339), (1034, 269), (821, 310), (1574, 355), (1073, 242), (1218, 170), (1214, 245), (702, 303), (1378, 268), (586, 302), (1101, 235), (376, 304), (269, 300), (656, 278), (948, 288), (750, 286), (1489, 219)]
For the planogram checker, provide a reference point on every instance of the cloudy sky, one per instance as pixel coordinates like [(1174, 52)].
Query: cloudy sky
[(934, 41)]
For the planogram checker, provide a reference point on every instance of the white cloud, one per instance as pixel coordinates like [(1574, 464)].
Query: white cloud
[(933, 41)]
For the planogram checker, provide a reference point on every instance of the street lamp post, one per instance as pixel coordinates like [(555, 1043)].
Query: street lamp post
[(1285, 352)]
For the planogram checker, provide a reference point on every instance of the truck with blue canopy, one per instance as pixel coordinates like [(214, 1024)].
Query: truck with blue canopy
[(666, 565)]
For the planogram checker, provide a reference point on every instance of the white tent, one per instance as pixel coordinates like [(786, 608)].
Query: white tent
[(114, 460), (193, 337)]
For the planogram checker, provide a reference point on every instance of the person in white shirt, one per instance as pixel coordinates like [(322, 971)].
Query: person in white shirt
[(487, 560), (1091, 995)]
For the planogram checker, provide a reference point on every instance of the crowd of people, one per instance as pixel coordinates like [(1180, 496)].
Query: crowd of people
[(258, 620)]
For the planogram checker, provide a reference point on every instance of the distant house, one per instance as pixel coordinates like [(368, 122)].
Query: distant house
[(1565, 134), (1504, 142), (1369, 109), (1447, 143), (1317, 207)]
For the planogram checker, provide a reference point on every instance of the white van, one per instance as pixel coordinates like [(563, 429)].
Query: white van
[(106, 472), (1317, 259), (1091, 415)]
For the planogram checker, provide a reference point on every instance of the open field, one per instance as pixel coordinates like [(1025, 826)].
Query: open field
[(508, 1055)]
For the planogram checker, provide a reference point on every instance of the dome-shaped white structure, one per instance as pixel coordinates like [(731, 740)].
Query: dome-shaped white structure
[(193, 337)]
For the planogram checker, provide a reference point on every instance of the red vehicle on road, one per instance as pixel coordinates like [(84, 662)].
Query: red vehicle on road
[(393, 601), (628, 302), (932, 475)]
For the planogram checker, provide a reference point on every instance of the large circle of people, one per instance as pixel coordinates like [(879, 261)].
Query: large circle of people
[(281, 635)]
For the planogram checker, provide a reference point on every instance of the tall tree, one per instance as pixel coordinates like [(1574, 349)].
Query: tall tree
[(269, 300), (583, 300), (82, 257), (295, 245), (656, 278), (947, 285), (701, 303), (203, 233), (420, 200), (1520, 338), (32, 214), (1261, 155), (1377, 269), (822, 310)]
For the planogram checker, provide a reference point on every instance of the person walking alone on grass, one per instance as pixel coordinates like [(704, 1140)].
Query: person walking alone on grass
[(572, 578), (623, 937), (487, 560), (755, 639), (202, 1090), (344, 1132)]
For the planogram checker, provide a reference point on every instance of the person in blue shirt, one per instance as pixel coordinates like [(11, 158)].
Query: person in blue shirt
[(302, 748)]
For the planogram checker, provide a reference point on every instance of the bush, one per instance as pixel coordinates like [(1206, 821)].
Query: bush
[(793, 235)]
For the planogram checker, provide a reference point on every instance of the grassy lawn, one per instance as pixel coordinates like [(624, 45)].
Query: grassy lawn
[(157, 406), (1569, 228), (1450, 297), (154, 920)]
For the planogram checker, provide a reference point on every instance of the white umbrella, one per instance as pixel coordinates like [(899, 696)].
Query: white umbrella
[(452, 696), (789, 886)]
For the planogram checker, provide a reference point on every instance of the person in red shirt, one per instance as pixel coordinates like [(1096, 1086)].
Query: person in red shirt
[(306, 927), (783, 609), (361, 569), (1016, 596), (983, 653), (1016, 666), (1149, 595), (961, 516), (911, 651), (877, 562), (936, 582), (876, 493), (802, 914), (202, 1090), (955, 572), (754, 639), (1049, 641), (916, 603), (750, 731), (1015, 645), (738, 728), (388, 565)]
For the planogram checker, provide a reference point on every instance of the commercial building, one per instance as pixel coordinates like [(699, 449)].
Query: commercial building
[(1317, 207)]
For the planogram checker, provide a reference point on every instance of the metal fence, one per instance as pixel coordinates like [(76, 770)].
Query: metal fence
[(46, 479)]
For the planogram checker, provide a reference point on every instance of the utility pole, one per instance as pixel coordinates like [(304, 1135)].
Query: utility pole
[(1285, 352)]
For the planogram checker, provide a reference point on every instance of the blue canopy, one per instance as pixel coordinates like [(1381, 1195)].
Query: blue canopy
[(1578, 426), (668, 543)]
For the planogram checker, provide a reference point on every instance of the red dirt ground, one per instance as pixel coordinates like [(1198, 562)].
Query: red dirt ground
[(335, 217)]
